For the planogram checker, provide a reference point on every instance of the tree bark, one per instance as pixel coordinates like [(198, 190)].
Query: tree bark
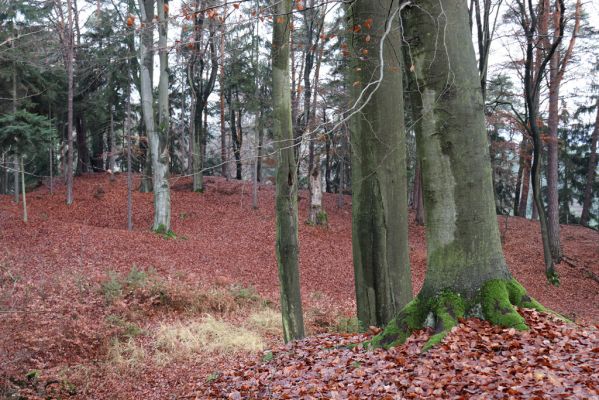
[(466, 269), (587, 201), (159, 138), (70, 55), (287, 241), (379, 182)]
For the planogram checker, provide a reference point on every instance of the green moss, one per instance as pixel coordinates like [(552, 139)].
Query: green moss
[(447, 308), (409, 319), (497, 307), (322, 218), (165, 233)]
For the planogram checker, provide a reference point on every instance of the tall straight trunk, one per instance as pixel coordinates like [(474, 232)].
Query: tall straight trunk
[(23, 190), (112, 145), (223, 132), (14, 110), (557, 67), (532, 82), (463, 242), (146, 42), (552, 160), (590, 180), (287, 241), (16, 177), (257, 115), (159, 138), (378, 156), (70, 55), (127, 129)]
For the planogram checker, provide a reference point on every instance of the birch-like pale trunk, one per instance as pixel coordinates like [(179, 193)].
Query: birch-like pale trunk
[(287, 240), (157, 135), (159, 138)]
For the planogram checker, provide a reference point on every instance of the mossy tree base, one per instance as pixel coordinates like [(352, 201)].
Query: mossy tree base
[(495, 302)]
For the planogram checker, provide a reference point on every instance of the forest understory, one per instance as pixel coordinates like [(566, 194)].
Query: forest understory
[(91, 310)]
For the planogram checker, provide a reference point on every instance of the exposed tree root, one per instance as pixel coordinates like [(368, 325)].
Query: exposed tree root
[(495, 303)]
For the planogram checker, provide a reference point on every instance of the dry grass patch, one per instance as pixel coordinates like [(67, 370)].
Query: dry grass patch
[(266, 320), (126, 353), (181, 340)]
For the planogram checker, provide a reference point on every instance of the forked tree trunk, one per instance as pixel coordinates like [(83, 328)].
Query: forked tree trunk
[(379, 183), (466, 269), (287, 241)]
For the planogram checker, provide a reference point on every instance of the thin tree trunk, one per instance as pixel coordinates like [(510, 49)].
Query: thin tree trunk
[(552, 161), (23, 191), (129, 172), (146, 79), (287, 241), (69, 64), (112, 144), (16, 178), (223, 132), (523, 210), (378, 150)]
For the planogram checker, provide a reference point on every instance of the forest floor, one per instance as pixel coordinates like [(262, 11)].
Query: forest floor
[(89, 310)]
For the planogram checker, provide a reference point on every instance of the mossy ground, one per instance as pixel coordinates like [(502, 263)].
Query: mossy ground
[(496, 299)]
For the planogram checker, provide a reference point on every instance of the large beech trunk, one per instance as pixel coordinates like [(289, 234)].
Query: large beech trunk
[(466, 273), (379, 182), (287, 241)]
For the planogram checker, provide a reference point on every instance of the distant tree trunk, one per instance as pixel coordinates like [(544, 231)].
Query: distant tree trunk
[(83, 159), (223, 132), (70, 55), (112, 147), (236, 133), (16, 178), (516, 207), (588, 188), (23, 191), (552, 161), (287, 241), (378, 150), (159, 138), (557, 68), (522, 211), (129, 172), (417, 196), (200, 90), (532, 81), (147, 43)]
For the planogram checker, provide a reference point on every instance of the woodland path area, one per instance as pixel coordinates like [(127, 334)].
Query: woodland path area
[(55, 316)]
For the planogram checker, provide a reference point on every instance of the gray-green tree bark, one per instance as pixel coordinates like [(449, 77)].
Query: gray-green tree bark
[(287, 241), (466, 273), (158, 135), (379, 183)]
